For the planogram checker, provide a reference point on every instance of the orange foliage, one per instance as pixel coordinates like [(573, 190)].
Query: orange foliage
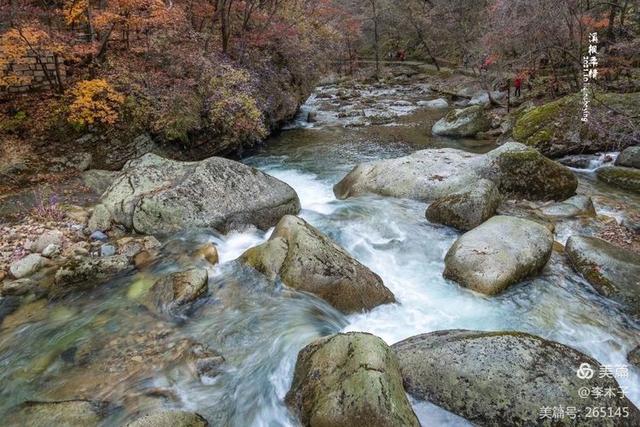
[(94, 102)]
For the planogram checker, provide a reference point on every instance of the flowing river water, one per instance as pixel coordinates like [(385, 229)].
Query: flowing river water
[(259, 328)]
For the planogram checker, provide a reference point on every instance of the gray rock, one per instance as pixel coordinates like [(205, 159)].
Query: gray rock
[(482, 98), (47, 238), (466, 122), (629, 157), (174, 293), (572, 207), (518, 171), (84, 273), (349, 380), (69, 413), (622, 177), (613, 271), (99, 180), (51, 251), (107, 250), (466, 209), (27, 266), (170, 419), (500, 252), (434, 103), (99, 236), (157, 195), (504, 378), (307, 260)]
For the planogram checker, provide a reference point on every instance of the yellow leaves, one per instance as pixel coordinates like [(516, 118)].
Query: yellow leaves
[(75, 11), (94, 102)]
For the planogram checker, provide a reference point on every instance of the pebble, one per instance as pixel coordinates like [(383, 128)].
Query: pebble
[(99, 235), (107, 250)]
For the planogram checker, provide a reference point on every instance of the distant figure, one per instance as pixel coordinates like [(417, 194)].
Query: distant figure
[(400, 55), (517, 84)]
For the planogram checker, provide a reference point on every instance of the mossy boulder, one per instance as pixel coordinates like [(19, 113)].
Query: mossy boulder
[(349, 380), (613, 271), (622, 177), (307, 260), (504, 378), (498, 253), (468, 208), (629, 157), (517, 170), (461, 123), (556, 128)]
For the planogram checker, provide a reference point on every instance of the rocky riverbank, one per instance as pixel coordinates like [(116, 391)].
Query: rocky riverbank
[(168, 293)]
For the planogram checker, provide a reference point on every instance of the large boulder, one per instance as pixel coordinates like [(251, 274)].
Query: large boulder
[(177, 291), (500, 252), (629, 157), (307, 260), (157, 195), (68, 413), (465, 122), (349, 380), (556, 130), (622, 177), (506, 378), (517, 171), (613, 271), (468, 208)]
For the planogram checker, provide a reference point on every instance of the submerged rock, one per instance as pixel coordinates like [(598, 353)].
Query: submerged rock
[(613, 271), (466, 122), (622, 177), (307, 260), (69, 413), (466, 209), (85, 273), (157, 195), (349, 380), (177, 291), (500, 252), (504, 378), (517, 171), (629, 157), (170, 419), (572, 207)]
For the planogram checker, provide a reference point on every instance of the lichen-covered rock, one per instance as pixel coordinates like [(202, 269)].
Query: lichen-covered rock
[(465, 122), (504, 378), (157, 195), (27, 266), (555, 128), (613, 271), (466, 209), (629, 157), (498, 253), (518, 171), (622, 177), (307, 260), (69, 413), (177, 291), (349, 380), (170, 419), (85, 273)]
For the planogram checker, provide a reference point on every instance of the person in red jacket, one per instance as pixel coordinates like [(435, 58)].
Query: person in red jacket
[(518, 84)]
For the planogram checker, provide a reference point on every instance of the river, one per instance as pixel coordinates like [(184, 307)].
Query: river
[(259, 328)]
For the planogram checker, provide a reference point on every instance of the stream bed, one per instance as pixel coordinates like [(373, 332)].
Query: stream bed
[(102, 345)]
